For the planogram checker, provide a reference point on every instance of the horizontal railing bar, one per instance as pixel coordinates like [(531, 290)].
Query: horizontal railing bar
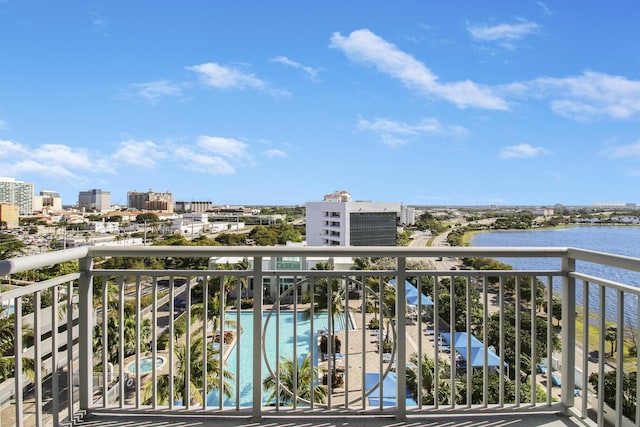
[(32, 262), (326, 273), (608, 283), (612, 260), (38, 286), (358, 251)]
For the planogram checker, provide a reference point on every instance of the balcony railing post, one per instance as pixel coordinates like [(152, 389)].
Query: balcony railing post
[(85, 307), (567, 369), (401, 324), (257, 339)]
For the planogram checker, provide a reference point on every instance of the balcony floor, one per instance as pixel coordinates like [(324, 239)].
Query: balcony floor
[(544, 419)]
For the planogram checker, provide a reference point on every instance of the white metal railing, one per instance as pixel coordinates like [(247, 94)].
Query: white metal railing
[(109, 361)]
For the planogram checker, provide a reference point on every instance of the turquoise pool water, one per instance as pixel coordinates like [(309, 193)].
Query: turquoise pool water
[(285, 347), (146, 363)]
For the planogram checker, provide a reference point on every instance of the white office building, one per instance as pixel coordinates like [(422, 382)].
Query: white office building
[(339, 221)]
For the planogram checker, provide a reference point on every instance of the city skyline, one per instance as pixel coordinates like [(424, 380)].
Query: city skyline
[(257, 103)]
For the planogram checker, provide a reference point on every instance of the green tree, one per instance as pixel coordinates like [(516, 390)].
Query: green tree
[(427, 381), (264, 236), (629, 381), (7, 349), (460, 301), (303, 375), (611, 335), (362, 263), (128, 334), (10, 246), (147, 217), (230, 239), (195, 383), (525, 339)]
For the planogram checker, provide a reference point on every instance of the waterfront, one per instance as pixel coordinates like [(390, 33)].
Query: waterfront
[(621, 240)]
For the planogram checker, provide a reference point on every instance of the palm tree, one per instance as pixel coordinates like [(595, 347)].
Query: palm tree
[(327, 294), (128, 334), (427, 381), (611, 334), (196, 383), (242, 265), (303, 376), (7, 349)]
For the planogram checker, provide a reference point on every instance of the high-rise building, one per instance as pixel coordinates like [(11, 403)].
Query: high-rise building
[(94, 200), (151, 201), (338, 221), (18, 193)]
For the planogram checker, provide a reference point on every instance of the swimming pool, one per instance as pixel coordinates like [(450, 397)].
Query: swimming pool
[(286, 340), (145, 365)]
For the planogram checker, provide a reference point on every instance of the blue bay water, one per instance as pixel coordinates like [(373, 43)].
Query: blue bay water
[(621, 240)]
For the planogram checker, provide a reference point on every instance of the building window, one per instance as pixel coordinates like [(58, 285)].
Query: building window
[(373, 229)]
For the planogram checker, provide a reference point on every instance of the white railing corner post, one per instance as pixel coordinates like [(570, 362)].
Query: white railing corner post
[(401, 330), (257, 338), (568, 336), (85, 324)]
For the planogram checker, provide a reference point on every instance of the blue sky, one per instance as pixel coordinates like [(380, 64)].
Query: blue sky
[(281, 102)]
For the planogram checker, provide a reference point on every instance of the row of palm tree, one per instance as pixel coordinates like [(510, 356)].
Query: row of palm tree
[(301, 377), (190, 388), (7, 349)]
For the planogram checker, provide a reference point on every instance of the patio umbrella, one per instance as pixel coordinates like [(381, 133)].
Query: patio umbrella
[(477, 358), (413, 295)]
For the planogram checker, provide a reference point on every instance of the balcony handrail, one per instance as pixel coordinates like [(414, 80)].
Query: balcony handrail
[(32, 262), (613, 260), (607, 283), (326, 251), (37, 286), (87, 269)]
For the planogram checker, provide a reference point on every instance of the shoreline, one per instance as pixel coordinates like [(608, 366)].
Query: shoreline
[(592, 322)]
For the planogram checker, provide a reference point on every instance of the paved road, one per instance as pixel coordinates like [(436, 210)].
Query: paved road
[(421, 238)]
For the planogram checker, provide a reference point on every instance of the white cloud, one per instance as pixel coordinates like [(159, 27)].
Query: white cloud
[(625, 151), (9, 149), (198, 162), (275, 153), (139, 153), (505, 34), (521, 151), (153, 91), (4, 125), (51, 170), (76, 158), (311, 72), (544, 7), (221, 77), (54, 161), (586, 96), (399, 133), (363, 46), (227, 147)]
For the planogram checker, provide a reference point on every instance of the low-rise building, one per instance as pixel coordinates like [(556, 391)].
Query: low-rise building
[(9, 215)]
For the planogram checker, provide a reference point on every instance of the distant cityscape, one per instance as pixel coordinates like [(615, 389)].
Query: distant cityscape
[(336, 220)]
